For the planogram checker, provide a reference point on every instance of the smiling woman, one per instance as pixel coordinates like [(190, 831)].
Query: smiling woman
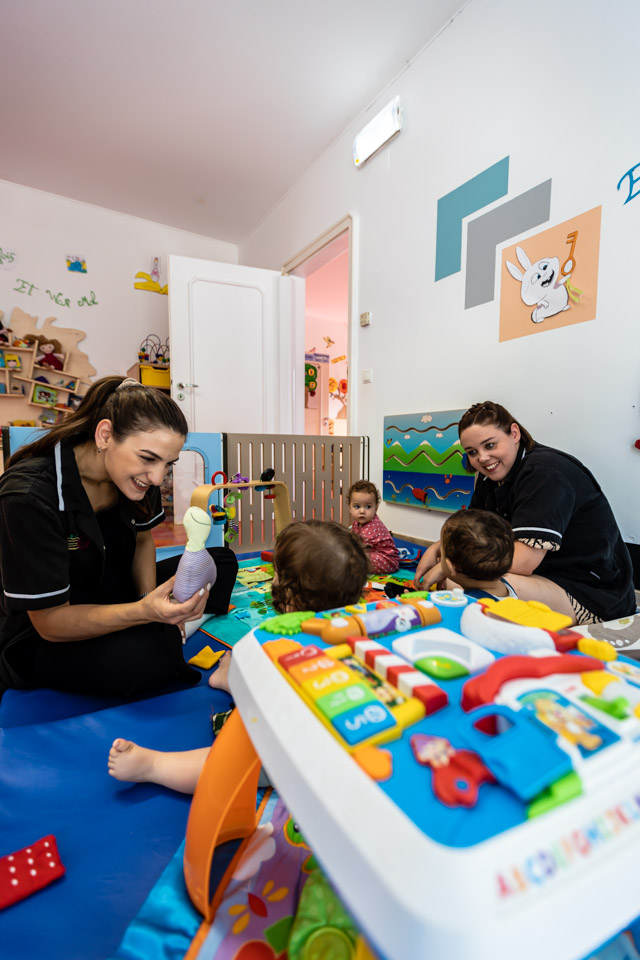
[(569, 552), (80, 609)]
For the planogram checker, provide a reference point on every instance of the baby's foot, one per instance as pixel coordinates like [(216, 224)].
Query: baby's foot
[(129, 762), (219, 679)]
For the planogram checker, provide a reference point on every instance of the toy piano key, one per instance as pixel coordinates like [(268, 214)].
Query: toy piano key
[(457, 774)]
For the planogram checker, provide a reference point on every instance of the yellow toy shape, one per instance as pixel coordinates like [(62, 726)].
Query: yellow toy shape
[(528, 613)]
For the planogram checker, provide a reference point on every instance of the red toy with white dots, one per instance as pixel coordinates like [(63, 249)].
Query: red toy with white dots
[(28, 870)]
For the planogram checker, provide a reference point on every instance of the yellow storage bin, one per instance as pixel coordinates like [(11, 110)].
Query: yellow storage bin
[(155, 376)]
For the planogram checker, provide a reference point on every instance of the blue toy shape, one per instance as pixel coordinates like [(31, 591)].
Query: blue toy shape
[(525, 757)]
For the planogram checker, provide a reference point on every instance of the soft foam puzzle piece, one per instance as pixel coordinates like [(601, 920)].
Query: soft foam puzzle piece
[(206, 658)]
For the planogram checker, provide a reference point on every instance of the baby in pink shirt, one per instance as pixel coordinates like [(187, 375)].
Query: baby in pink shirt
[(363, 499)]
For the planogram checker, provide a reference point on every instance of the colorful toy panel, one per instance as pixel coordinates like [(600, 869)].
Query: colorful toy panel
[(485, 775)]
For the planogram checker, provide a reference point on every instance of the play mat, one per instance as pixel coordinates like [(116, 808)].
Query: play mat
[(121, 844), (123, 895)]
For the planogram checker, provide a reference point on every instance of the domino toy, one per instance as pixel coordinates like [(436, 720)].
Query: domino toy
[(495, 792)]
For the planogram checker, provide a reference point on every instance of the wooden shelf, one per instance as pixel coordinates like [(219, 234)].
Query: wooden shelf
[(48, 386)]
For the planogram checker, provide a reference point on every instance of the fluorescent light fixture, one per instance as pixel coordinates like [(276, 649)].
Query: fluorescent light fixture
[(377, 132)]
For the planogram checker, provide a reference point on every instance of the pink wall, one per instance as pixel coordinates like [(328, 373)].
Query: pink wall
[(326, 315)]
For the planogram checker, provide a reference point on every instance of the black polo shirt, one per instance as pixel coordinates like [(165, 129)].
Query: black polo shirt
[(54, 549), (553, 502)]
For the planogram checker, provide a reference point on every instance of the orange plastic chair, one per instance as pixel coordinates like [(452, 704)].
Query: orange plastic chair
[(223, 809)]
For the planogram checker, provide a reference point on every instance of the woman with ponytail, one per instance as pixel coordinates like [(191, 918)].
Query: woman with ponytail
[(80, 608)]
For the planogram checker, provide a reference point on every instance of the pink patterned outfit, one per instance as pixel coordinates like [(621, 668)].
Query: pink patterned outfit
[(383, 553)]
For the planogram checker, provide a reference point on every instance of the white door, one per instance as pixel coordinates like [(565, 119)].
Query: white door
[(237, 347)]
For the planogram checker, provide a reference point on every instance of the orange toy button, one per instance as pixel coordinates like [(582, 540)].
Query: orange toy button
[(378, 763), (278, 648)]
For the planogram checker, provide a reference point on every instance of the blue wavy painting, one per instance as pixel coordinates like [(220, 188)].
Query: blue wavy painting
[(424, 464)]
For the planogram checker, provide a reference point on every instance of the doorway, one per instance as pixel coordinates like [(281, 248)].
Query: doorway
[(326, 268)]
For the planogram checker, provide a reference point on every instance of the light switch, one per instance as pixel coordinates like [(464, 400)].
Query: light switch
[(367, 375), (365, 319)]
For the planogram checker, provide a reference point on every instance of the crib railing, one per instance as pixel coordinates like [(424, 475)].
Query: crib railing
[(318, 472)]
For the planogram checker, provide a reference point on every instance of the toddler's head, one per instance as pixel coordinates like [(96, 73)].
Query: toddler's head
[(476, 544), (318, 564), (363, 499)]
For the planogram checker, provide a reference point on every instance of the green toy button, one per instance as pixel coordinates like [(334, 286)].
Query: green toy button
[(618, 708), (333, 704), (563, 790), (286, 624), (328, 943), (441, 667)]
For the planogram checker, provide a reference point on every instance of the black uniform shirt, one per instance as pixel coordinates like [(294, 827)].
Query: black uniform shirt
[(553, 502), (52, 550)]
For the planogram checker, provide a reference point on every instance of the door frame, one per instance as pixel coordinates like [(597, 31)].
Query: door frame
[(337, 239)]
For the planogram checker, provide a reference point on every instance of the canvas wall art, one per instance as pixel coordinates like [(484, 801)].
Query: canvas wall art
[(424, 464)]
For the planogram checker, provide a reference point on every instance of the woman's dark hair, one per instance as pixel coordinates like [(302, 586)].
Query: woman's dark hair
[(364, 486), (319, 565), (478, 543), (131, 409), (490, 412)]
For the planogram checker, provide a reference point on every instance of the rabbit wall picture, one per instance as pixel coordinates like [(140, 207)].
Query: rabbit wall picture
[(542, 285)]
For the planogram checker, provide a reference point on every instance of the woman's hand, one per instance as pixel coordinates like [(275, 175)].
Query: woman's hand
[(429, 570), (157, 605)]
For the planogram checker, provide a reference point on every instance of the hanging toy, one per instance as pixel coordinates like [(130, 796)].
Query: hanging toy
[(196, 568), (230, 510)]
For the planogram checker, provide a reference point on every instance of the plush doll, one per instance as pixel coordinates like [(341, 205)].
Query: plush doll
[(50, 354), (196, 568)]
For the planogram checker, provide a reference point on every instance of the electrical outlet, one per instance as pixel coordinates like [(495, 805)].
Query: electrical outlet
[(367, 375), (365, 319)]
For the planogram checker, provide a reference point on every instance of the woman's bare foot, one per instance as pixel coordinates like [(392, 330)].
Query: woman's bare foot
[(130, 762), (219, 679)]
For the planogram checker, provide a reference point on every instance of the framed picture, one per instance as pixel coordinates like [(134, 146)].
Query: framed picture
[(12, 361), (46, 395)]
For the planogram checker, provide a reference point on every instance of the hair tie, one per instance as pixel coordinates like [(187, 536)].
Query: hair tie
[(128, 382)]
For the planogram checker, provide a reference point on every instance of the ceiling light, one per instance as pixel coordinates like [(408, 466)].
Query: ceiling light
[(377, 132)]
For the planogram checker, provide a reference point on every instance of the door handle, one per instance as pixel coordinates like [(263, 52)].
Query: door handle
[(181, 386)]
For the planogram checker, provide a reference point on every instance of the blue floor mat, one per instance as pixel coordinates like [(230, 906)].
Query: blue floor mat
[(114, 839)]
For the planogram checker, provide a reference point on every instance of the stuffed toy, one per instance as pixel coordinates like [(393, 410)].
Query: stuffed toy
[(50, 354), (196, 567)]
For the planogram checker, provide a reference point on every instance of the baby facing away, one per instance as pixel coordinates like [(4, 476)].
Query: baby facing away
[(318, 565)]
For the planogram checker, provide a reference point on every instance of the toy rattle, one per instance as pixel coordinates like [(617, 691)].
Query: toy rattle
[(196, 568), (374, 623)]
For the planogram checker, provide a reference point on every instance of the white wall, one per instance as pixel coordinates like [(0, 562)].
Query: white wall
[(44, 229), (554, 87)]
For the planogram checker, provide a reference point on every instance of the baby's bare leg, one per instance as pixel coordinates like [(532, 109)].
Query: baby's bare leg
[(219, 679), (177, 771)]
